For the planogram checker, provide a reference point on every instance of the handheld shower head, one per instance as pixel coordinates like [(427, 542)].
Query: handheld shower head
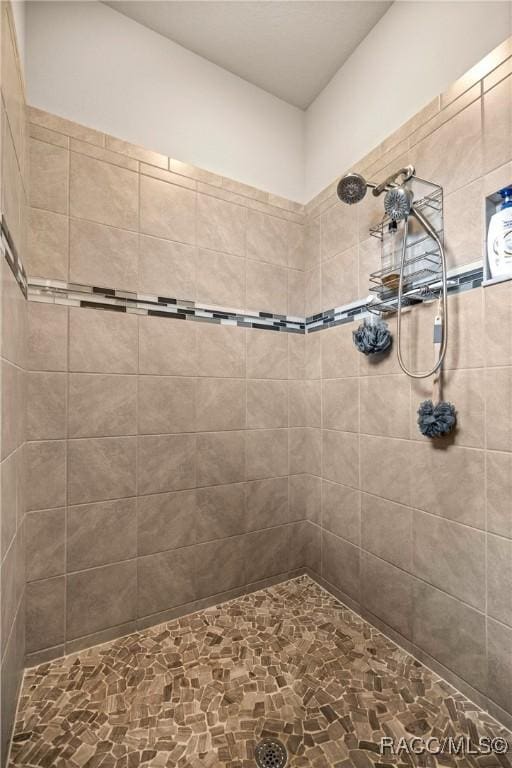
[(398, 203), (351, 188)]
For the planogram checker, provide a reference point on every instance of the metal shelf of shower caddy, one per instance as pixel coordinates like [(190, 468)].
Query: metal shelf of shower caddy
[(422, 264)]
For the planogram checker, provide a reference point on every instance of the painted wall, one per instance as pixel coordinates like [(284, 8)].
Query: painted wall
[(93, 65), (414, 52)]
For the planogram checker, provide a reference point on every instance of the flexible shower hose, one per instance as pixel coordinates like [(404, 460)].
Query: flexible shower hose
[(444, 339)]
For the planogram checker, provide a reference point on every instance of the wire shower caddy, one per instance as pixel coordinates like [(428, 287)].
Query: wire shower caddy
[(422, 266)]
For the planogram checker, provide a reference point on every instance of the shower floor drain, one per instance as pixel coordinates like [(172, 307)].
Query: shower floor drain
[(270, 753)]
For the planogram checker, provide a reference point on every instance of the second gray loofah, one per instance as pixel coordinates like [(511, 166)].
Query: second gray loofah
[(372, 337), (436, 420)]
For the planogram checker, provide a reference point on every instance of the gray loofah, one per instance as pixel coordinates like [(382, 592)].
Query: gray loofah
[(372, 337), (436, 420)]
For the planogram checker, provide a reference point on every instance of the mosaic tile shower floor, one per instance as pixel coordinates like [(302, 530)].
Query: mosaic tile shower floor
[(199, 691)]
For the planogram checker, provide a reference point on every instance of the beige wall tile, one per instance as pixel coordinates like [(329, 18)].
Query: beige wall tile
[(296, 293), (305, 451), (267, 503), (102, 256), (166, 463), (340, 457), (387, 593), (49, 176), (451, 557), (266, 288), (497, 341), (270, 553), (166, 579), (166, 521), (341, 511), (45, 601), (102, 341), (499, 666), (47, 245), (221, 226), (497, 125), (167, 210), (139, 153), (47, 337), (386, 530), (106, 155), (461, 501), (340, 279), (220, 404), (220, 512), (101, 533), (220, 279), (167, 268), (451, 632), (267, 238), (499, 492), (296, 356), (221, 351), (384, 468), (267, 354), (305, 498), (451, 156), (267, 404), (313, 291), (338, 230), (341, 564), (220, 458), (340, 404), (102, 405), (167, 347), (60, 124), (100, 598), (103, 192), (385, 405), (369, 261), (266, 453), (101, 469), (463, 225), (45, 544), (166, 404), (46, 406), (339, 356), (311, 243), (499, 579), (304, 404), (46, 474), (313, 356)]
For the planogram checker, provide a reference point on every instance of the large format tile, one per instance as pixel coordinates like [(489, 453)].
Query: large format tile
[(167, 210), (102, 342), (45, 544), (450, 632), (102, 256), (220, 279), (387, 592), (267, 238), (497, 127), (220, 404), (166, 579), (47, 244), (46, 474), (167, 268), (220, 458), (267, 404), (266, 503), (385, 406), (166, 404), (45, 606), (341, 564), (221, 225), (267, 354), (340, 404), (166, 463), (499, 663), (48, 176), (385, 468), (338, 230), (340, 457), (101, 533), (47, 342), (167, 347), (341, 511), (166, 521), (101, 468), (339, 279), (450, 556), (101, 405), (266, 453), (220, 351), (220, 512), (46, 405), (103, 193), (266, 288), (499, 493), (100, 597), (386, 530), (498, 424), (499, 579)]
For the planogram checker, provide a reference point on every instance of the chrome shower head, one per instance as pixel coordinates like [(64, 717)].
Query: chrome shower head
[(352, 188), (398, 203)]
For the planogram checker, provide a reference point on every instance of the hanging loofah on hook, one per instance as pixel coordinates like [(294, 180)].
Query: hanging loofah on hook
[(436, 420), (372, 336)]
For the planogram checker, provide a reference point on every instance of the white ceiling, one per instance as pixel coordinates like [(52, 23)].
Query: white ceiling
[(290, 48)]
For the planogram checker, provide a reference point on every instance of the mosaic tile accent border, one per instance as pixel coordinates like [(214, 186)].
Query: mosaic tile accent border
[(12, 257), (74, 295)]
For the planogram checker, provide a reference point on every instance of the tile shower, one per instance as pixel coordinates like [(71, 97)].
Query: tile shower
[(172, 437)]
